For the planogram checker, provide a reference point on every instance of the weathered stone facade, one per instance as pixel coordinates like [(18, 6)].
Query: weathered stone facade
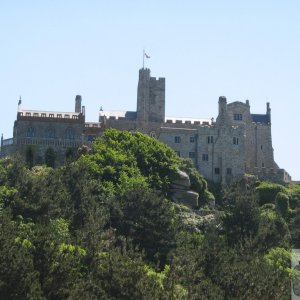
[(237, 143)]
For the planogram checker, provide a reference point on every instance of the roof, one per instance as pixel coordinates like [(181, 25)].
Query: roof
[(260, 118), (118, 114), (192, 120)]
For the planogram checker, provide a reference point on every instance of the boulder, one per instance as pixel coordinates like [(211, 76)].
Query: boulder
[(188, 198), (183, 180)]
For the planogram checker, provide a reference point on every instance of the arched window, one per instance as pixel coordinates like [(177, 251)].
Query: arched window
[(69, 134), (30, 132), (50, 133)]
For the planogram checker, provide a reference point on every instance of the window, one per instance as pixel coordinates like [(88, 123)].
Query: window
[(238, 117), (261, 147), (235, 141), (30, 132), (50, 134), (228, 171), (51, 115), (217, 171), (205, 157), (263, 165), (192, 139), (177, 139), (43, 115), (210, 140), (178, 153), (69, 134), (192, 155)]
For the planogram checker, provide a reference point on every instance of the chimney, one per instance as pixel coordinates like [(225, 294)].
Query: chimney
[(78, 104)]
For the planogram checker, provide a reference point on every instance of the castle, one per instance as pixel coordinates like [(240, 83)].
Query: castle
[(235, 144)]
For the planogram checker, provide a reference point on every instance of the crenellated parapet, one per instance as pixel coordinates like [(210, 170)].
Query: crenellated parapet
[(50, 116)]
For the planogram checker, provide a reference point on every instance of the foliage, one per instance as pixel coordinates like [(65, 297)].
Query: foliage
[(101, 226), (50, 157), (267, 192), (120, 155), (282, 203)]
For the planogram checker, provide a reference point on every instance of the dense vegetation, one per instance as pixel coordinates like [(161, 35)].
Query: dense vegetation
[(102, 226)]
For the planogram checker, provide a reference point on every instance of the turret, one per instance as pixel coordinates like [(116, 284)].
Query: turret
[(222, 105), (78, 104), (143, 95)]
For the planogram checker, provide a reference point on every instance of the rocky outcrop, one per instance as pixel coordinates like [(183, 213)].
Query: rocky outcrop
[(181, 193)]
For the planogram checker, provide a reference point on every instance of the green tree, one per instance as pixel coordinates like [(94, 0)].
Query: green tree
[(50, 157)]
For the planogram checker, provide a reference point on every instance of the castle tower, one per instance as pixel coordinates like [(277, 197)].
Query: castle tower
[(150, 98), (78, 104)]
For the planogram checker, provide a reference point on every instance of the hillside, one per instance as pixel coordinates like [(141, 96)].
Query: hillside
[(103, 226)]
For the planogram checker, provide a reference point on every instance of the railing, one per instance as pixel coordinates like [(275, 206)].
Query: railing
[(50, 142), (7, 142)]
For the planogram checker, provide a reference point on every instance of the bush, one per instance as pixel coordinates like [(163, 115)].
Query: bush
[(282, 203), (267, 192)]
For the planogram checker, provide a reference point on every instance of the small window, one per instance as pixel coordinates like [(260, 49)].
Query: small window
[(43, 115), (59, 116), (178, 153), (67, 116), (51, 115), (35, 114), (263, 165), (205, 157), (228, 171), (192, 139), (28, 114), (238, 117), (217, 171), (235, 141), (210, 140), (261, 147), (74, 117), (192, 155), (177, 139)]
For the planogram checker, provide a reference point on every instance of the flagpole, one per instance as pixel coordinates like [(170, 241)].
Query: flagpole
[(143, 58)]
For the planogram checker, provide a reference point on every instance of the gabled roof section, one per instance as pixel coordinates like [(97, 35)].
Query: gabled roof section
[(258, 118)]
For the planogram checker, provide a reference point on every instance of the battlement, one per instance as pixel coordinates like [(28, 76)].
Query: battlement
[(48, 115), (188, 121)]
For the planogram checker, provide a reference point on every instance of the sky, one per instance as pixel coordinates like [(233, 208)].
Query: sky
[(50, 51)]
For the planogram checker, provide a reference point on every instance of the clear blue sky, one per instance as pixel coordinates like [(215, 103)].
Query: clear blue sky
[(52, 50)]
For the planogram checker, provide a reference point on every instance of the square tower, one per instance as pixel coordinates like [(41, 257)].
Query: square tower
[(150, 98)]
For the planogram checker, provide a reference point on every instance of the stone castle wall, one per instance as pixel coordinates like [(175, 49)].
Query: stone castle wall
[(238, 142)]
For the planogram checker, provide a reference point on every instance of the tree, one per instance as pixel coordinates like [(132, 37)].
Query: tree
[(241, 213), (50, 157)]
